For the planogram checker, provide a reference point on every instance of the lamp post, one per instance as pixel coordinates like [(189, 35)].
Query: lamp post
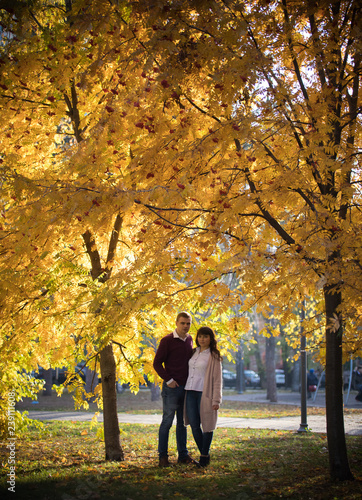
[(303, 368)]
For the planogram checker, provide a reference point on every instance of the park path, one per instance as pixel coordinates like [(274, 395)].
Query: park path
[(316, 423)]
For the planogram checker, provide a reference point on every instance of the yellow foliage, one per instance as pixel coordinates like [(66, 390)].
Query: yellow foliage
[(222, 154)]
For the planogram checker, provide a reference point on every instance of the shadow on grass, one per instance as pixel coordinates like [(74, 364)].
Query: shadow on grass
[(187, 483)]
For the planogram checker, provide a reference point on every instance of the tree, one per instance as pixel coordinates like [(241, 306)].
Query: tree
[(68, 201), (59, 311), (253, 112), (265, 150)]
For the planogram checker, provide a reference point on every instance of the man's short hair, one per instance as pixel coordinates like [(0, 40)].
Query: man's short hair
[(183, 314)]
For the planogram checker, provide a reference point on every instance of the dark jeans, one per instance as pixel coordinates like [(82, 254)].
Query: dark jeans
[(202, 439), (359, 395), (173, 402)]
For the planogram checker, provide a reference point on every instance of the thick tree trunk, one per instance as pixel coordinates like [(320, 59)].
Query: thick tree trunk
[(271, 386), (112, 441), (338, 459)]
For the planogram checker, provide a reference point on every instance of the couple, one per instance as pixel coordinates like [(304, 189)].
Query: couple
[(192, 388)]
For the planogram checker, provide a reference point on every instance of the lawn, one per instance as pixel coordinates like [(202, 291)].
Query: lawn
[(65, 461)]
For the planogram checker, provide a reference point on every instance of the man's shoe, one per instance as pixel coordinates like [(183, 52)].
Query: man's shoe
[(163, 462), (187, 460)]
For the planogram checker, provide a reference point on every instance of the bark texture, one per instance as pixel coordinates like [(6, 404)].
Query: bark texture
[(271, 385), (338, 459), (113, 448)]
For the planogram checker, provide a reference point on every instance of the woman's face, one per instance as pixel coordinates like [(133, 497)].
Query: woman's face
[(204, 341)]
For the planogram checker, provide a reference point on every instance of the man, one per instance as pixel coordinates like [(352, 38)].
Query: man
[(357, 382), (172, 363)]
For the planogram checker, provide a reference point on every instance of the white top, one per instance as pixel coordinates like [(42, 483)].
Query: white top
[(197, 370)]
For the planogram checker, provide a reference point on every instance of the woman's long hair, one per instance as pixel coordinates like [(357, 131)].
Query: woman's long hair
[(205, 330)]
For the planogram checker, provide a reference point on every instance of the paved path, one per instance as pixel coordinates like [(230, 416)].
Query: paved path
[(315, 423), (291, 398), (353, 423)]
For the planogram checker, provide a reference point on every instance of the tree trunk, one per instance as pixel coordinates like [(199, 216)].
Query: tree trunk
[(155, 392), (271, 385), (112, 441), (240, 379), (259, 324), (48, 377), (296, 377), (338, 459), (91, 382)]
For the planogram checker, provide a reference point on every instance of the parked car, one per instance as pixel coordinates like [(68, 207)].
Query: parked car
[(279, 377), (229, 378), (252, 379)]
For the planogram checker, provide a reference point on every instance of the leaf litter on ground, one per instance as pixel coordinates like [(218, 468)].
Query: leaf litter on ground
[(66, 459)]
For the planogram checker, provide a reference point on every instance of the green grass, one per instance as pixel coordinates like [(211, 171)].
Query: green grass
[(65, 461)]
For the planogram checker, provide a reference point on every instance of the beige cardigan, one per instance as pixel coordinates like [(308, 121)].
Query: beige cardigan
[(211, 395)]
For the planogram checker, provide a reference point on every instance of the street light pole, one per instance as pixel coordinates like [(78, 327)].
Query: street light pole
[(303, 368)]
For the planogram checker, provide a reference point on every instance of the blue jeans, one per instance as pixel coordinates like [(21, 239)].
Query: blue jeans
[(202, 439), (173, 402)]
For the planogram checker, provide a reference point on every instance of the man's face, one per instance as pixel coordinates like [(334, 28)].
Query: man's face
[(183, 325)]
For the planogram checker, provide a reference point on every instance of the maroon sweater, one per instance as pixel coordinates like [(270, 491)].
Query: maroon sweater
[(172, 358)]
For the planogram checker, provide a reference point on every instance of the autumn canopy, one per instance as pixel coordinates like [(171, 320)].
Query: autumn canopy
[(153, 153)]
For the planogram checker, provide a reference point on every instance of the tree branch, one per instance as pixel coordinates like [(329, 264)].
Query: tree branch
[(293, 55), (113, 242), (73, 111), (93, 253)]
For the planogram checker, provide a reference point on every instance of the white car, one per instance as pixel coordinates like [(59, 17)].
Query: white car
[(252, 379), (280, 377), (229, 378)]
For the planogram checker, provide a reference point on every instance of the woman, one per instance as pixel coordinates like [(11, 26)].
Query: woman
[(203, 391), (312, 382)]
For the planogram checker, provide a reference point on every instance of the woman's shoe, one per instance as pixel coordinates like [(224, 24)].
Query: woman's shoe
[(204, 460)]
